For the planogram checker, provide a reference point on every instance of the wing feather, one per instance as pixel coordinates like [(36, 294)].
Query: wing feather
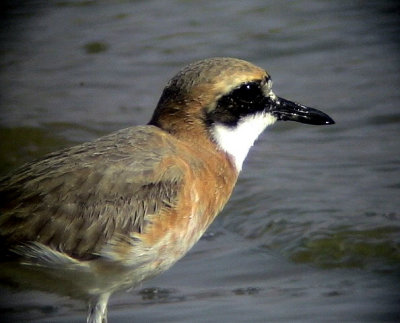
[(78, 199)]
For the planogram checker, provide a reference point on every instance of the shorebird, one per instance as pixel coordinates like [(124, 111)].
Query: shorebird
[(106, 215)]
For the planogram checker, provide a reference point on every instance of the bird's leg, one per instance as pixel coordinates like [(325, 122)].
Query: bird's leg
[(98, 308)]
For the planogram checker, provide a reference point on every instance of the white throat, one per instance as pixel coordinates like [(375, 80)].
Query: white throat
[(238, 140)]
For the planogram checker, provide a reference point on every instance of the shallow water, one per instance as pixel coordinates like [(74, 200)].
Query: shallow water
[(312, 231)]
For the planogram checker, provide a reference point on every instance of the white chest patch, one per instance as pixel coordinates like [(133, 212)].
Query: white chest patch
[(237, 141)]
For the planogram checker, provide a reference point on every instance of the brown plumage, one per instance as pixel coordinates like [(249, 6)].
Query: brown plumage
[(105, 215)]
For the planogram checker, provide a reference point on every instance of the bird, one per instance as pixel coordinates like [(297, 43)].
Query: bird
[(106, 215)]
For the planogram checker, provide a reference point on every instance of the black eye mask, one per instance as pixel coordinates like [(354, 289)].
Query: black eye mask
[(240, 102)]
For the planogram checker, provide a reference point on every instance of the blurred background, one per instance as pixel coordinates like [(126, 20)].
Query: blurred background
[(312, 231)]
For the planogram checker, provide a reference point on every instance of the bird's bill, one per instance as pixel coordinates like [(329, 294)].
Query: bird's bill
[(290, 111)]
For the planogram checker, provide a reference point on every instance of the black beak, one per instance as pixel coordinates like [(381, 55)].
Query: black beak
[(288, 110)]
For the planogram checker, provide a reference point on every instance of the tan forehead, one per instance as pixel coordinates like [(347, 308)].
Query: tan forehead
[(220, 74)]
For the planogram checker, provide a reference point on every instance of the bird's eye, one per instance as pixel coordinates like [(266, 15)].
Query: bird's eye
[(246, 99), (248, 92)]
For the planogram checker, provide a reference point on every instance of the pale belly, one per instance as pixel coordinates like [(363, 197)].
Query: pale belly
[(106, 274)]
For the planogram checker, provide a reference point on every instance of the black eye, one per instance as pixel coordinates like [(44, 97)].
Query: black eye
[(248, 92), (245, 100)]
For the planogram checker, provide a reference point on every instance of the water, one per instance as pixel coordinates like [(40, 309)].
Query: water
[(312, 232)]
